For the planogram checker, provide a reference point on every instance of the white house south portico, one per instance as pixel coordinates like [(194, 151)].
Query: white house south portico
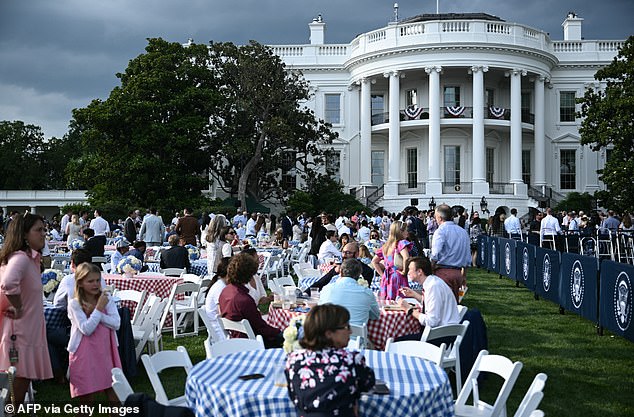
[(455, 107)]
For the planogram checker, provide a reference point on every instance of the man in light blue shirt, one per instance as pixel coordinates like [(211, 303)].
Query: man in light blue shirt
[(346, 292)]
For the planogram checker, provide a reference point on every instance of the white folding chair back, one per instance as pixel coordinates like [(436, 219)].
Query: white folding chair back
[(182, 309), (499, 365), (173, 272), (533, 396), (263, 265), (134, 296), (605, 247), (417, 348), (286, 281), (225, 347), (547, 238), (273, 286), (537, 413), (354, 343), (242, 326), (145, 309), (143, 332), (120, 385), (196, 279), (462, 310), (362, 332), (162, 360), (274, 266), (451, 359), (99, 259)]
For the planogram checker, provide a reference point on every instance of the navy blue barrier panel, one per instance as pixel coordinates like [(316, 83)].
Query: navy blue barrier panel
[(547, 274), (483, 245), (525, 258), (578, 289), (493, 255), (508, 261), (615, 308)]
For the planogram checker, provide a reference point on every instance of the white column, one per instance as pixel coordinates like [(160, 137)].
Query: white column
[(516, 126), (540, 146), (366, 133), (434, 130), (394, 146), (479, 156)]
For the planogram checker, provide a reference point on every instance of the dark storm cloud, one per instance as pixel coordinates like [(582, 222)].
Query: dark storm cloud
[(59, 55)]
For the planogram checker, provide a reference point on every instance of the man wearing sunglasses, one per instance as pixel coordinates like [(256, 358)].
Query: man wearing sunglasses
[(350, 251)]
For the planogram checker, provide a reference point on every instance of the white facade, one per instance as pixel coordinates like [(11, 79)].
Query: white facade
[(456, 107)]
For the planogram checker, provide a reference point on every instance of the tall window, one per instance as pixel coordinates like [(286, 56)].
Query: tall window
[(526, 166), (333, 165), (452, 164), (490, 164), (411, 98), (489, 97), (568, 170), (332, 113), (567, 106), (452, 96), (288, 170), (377, 167), (412, 167), (378, 109)]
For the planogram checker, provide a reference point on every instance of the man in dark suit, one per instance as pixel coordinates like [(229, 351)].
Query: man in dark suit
[(94, 244), (129, 227), (287, 227), (176, 256)]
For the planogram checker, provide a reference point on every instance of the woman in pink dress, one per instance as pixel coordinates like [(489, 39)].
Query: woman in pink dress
[(22, 327), (94, 319), (384, 263)]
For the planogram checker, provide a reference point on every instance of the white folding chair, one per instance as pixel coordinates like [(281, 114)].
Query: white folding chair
[(533, 397), (211, 334), (547, 238), (354, 343), (273, 286), (182, 309), (605, 245), (417, 348), (242, 326), (196, 279), (162, 360), (451, 359), (286, 281), (462, 310), (173, 272), (362, 332), (537, 413), (146, 330), (120, 385), (225, 347), (132, 296), (496, 364)]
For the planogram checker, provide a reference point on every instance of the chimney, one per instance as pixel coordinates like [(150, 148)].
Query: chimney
[(572, 27), (317, 31)]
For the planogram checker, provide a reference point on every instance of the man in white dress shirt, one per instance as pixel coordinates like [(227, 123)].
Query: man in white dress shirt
[(549, 226), (512, 224)]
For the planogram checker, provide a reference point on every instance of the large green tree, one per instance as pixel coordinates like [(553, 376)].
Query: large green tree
[(146, 144), (609, 123), (28, 161), (262, 133)]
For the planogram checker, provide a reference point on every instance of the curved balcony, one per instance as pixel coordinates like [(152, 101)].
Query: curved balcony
[(452, 112)]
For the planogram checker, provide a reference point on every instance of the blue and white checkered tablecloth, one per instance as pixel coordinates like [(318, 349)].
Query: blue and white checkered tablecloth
[(417, 387), (55, 317)]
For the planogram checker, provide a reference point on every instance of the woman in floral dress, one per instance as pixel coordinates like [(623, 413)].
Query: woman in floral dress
[(324, 378), (393, 276)]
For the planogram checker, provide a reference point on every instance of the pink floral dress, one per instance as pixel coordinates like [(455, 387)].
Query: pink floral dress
[(328, 381), (392, 279)]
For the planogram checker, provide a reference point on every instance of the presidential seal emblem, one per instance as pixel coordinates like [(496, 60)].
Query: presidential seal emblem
[(507, 258), (483, 248), (546, 273), (577, 286), (623, 301), (494, 261), (525, 264)]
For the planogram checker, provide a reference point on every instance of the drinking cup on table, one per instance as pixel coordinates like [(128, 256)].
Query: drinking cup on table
[(314, 293)]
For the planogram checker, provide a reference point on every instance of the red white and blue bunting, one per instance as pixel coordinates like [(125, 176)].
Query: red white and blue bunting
[(497, 112), (455, 111), (413, 112)]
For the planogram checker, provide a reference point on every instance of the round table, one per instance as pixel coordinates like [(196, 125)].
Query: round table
[(417, 387), (391, 323)]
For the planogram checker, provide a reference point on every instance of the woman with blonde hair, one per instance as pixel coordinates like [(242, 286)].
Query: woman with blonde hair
[(73, 229), (390, 260), (214, 243)]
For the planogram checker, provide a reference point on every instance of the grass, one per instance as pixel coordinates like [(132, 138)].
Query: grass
[(588, 375)]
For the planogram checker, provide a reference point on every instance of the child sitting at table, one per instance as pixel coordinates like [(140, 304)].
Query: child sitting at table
[(93, 343), (324, 378)]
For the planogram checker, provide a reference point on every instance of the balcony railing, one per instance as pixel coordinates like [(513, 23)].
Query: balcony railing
[(501, 188), (456, 188), (452, 112), (412, 188)]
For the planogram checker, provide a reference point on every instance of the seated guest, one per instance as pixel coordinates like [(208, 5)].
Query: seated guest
[(121, 250), (236, 303), (94, 244), (346, 292), (350, 251), (55, 233), (328, 248), (138, 252), (176, 256), (217, 284), (66, 288), (440, 304), (324, 378), (255, 287)]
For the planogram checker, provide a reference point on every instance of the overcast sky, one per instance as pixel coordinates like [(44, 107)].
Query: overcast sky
[(56, 55)]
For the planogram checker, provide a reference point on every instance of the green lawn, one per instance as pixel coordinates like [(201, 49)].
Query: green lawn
[(588, 375)]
